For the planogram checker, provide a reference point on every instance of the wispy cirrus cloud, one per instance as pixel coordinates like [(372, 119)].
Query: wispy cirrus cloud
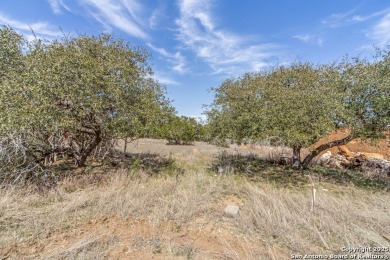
[(58, 5), (380, 33), (223, 51), (158, 14), (363, 18), (310, 38), (164, 79), (339, 19), (349, 18), (303, 37), (153, 18), (40, 29), (177, 60), (125, 15)]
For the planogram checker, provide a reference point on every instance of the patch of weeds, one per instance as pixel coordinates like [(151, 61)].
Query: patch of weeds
[(347, 177), (157, 250), (134, 167), (150, 163), (220, 143), (88, 169), (176, 228), (256, 168), (184, 250), (64, 167)]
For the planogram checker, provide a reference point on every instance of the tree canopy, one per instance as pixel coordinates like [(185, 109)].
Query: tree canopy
[(182, 130), (94, 87), (300, 103)]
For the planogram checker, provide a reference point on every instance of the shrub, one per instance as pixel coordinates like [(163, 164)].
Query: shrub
[(182, 131)]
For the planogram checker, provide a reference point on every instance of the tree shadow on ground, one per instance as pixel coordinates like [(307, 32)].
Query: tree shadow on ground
[(151, 163), (275, 171), (48, 178)]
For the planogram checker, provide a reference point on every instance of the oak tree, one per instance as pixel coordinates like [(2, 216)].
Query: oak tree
[(93, 88), (301, 103)]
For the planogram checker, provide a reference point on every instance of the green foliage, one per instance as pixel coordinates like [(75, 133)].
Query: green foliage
[(182, 130), (301, 103), (95, 88), (87, 82), (366, 94), (10, 53), (290, 103)]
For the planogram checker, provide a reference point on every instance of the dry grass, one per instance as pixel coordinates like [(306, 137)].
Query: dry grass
[(141, 216), (341, 218), (183, 217)]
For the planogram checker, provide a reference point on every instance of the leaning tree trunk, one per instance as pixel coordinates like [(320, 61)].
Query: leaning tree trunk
[(323, 147), (84, 154)]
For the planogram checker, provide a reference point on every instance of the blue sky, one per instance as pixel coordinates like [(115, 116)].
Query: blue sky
[(196, 44)]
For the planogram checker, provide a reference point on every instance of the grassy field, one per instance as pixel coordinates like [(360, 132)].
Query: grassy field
[(166, 202)]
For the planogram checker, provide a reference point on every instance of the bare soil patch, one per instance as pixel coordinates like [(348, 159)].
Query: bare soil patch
[(359, 145)]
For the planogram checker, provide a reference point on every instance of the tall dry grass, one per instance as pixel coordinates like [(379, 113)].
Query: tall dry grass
[(273, 221)]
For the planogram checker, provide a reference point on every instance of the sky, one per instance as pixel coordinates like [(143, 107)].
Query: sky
[(197, 44)]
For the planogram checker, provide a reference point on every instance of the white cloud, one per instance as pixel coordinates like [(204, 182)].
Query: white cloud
[(177, 60), (303, 37), (320, 42), (153, 18), (160, 15), (164, 79), (358, 18), (337, 20), (223, 51), (58, 5), (380, 33), (348, 18), (310, 38), (125, 15), (361, 18), (40, 29)]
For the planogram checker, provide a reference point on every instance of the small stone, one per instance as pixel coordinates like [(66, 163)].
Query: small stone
[(232, 210)]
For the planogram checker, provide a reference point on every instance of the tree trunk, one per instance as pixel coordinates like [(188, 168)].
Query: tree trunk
[(296, 159), (125, 148), (84, 154), (323, 147)]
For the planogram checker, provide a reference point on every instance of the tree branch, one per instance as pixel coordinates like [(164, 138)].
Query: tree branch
[(325, 146)]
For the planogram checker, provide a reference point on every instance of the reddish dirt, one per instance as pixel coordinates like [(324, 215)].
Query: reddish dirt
[(359, 145), (133, 238)]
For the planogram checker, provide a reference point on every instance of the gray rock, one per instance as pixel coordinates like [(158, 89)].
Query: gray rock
[(232, 210), (378, 165), (325, 158)]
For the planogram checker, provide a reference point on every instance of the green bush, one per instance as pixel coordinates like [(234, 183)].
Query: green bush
[(183, 131)]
